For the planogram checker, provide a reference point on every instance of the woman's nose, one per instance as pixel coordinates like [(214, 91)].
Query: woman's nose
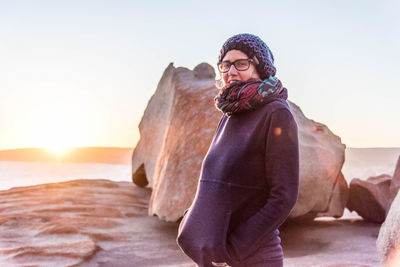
[(232, 70)]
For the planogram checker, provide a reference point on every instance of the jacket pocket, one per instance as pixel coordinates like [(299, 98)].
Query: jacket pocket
[(204, 229), (231, 259)]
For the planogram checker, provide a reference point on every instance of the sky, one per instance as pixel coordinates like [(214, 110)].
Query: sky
[(80, 73)]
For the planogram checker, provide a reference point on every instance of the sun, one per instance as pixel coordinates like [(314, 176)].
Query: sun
[(59, 150)]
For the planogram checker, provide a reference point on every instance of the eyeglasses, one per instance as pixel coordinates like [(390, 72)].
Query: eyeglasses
[(240, 65)]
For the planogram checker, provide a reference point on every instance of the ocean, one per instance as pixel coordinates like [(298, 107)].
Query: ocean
[(21, 173), (359, 163)]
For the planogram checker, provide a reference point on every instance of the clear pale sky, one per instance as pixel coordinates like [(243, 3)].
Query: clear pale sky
[(80, 73)]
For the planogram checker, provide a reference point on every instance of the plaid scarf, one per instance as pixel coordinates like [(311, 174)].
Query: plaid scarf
[(249, 95)]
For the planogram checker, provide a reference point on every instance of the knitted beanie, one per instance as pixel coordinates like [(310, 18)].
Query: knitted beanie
[(254, 48)]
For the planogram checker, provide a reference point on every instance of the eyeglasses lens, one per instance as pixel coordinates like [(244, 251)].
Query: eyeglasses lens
[(242, 64), (224, 66)]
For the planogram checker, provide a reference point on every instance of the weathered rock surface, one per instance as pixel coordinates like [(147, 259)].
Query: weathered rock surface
[(331, 243), (388, 242), (370, 198), (338, 200), (84, 222), (395, 185), (204, 71), (177, 128), (105, 223), (321, 160)]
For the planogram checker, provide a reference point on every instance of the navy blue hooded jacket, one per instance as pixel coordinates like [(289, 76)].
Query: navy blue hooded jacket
[(248, 185)]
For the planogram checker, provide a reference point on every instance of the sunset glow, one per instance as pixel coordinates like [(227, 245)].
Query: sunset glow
[(61, 86), (59, 150)]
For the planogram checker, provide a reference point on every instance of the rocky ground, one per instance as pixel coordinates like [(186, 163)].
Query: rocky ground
[(345, 242), (105, 223)]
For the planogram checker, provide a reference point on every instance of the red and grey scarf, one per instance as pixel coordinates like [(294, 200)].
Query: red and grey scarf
[(249, 95)]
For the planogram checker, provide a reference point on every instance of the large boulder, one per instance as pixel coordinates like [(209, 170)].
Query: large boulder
[(370, 198), (388, 242), (321, 161), (176, 130)]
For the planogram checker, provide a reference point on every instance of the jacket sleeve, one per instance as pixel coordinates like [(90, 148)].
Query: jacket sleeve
[(282, 174)]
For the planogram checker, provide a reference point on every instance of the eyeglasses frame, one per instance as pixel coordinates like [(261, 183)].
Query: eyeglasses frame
[(233, 63)]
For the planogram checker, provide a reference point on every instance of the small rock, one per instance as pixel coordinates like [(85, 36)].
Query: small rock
[(370, 198)]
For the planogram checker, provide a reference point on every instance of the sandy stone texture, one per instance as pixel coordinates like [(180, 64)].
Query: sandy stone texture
[(105, 223), (388, 242), (370, 198), (84, 222)]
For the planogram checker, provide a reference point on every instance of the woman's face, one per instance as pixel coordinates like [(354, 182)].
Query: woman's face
[(233, 74)]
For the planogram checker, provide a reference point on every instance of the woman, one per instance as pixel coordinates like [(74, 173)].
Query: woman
[(250, 175)]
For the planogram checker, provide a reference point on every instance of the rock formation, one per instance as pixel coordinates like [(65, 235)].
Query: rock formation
[(105, 223), (373, 197), (176, 130), (321, 160), (370, 198), (388, 242), (84, 223), (338, 200), (395, 185)]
